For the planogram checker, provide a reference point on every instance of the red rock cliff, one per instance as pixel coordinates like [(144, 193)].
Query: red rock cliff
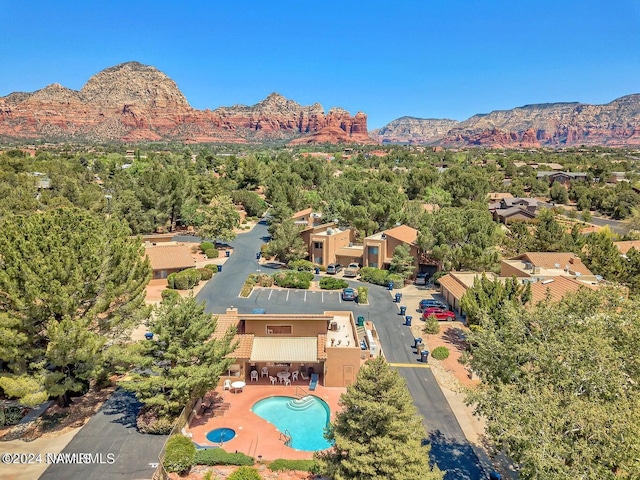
[(134, 102)]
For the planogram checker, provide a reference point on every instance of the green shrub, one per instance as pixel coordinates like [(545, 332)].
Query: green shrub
[(211, 266), (302, 465), (397, 280), (171, 279), (431, 325), (363, 295), (374, 275), (245, 473), (187, 279), (180, 454), (149, 422), (293, 279), (440, 353), (169, 295), (217, 456), (330, 283), (212, 253), (301, 265), (204, 246), (205, 273), (10, 416)]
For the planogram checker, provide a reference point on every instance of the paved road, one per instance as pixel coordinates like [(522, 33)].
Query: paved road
[(449, 447), (111, 431)]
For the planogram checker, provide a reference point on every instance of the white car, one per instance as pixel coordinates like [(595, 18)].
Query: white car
[(421, 278)]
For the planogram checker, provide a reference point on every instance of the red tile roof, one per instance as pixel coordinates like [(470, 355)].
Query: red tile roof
[(170, 257), (453, 286), (556, 288), (404, 233), (627, 245), (550, 259)]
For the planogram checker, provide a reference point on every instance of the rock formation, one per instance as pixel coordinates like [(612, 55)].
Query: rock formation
[(413, 130), (554, 124), (132, 102)]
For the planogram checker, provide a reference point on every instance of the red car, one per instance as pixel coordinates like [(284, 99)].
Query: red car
[(439, 313)]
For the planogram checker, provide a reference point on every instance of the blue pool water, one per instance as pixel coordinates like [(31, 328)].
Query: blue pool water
[(221, 435), (304, 419)]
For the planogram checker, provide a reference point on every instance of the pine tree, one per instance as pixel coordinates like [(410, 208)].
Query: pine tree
[(183, 361), (71, 281), (378, 434)]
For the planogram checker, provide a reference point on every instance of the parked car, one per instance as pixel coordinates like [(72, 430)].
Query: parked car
[(439, 313), (352, 270), (334, 268), (349, 294), (430, 302), (421, 278)]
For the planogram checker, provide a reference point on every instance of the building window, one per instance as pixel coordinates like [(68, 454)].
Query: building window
[(373, 250), (318, 261), (317, 245), (373, 264), (279, 329)]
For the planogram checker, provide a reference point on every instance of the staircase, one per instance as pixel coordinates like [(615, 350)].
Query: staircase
[(299, 404), (220, 409)]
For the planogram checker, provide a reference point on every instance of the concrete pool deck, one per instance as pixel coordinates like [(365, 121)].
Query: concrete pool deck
[(254, 435)]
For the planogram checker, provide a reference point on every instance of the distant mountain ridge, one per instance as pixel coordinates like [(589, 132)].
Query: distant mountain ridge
[(551, 124), (132, 102)]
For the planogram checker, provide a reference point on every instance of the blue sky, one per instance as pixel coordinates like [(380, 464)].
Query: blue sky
[(428, 59)]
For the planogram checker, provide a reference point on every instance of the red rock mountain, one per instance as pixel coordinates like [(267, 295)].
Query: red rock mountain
[(134, 102), (556, 124)]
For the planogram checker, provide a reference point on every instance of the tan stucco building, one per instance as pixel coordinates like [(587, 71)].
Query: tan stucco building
[(326, 344)]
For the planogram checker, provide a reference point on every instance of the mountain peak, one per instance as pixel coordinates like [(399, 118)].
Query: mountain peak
[(133, 83)]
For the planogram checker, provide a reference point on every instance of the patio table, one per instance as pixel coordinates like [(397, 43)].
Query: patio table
[(239, 385)]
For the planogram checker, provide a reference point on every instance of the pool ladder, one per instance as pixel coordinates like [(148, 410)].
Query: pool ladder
[(286, 436)]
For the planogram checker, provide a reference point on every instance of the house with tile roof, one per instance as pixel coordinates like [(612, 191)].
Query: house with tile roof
[(378, 248), (543, 265), (509, 209), (625, 246), (168, 257), (327, 344), (562, 178), (329, 243), (454, 285)]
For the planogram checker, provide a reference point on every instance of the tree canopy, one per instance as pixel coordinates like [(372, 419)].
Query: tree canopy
[(559, 386), (183, 361), (378, 435), (71, 282)]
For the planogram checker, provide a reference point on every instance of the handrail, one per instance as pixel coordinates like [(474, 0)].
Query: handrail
[(287, 437), (304, 392)]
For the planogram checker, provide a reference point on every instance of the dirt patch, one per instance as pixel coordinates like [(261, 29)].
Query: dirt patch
[(450, 372), (57, 420)]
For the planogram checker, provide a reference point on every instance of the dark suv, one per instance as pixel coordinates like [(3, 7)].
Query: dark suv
[(334, 268)]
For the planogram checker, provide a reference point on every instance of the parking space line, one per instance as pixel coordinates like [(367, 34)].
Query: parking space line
[(322, 297), (305, 296), (409, 365), (270, 293), (288, 291)]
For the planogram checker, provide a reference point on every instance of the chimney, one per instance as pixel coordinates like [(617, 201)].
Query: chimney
[(232, 310)]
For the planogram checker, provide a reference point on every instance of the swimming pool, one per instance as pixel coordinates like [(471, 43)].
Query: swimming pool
[(303, 419), (221, 435)]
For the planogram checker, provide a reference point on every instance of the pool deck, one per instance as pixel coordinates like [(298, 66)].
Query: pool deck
[(254, 435)]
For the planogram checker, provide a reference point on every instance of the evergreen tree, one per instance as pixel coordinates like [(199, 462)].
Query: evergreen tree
[(378, 434), (402, 263), (70, 282), (183, 361), (487, 297), (602, 256)]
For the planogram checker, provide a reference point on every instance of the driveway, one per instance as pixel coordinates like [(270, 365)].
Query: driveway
[(118, 450), (449, 447)]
